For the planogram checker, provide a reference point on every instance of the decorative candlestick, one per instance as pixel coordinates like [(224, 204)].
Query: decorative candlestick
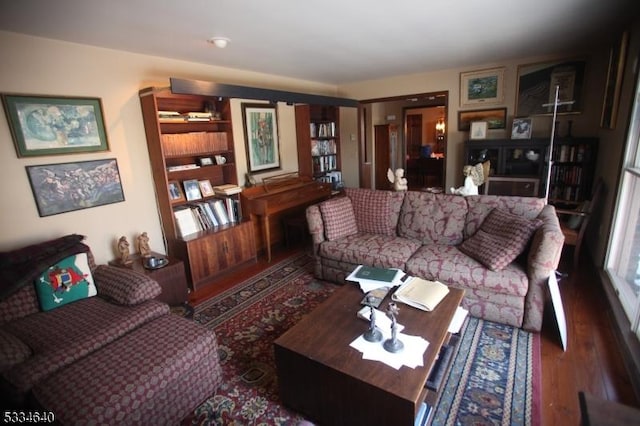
[(373, 334), (393, 345)]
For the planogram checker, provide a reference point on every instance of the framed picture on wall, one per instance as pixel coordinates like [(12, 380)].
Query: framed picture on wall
[(537, 87), (478, 130), (482, 87), (48, 125), (261, 137), (521, 128), (65, 187), (496, 118)]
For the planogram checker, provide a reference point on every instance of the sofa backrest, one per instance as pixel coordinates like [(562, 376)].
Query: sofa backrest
[(376, 211), (433, 218), (479, 207)]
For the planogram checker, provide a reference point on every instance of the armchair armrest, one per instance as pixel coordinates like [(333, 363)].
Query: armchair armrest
[(571, 212), (124, 286), (543, 259)]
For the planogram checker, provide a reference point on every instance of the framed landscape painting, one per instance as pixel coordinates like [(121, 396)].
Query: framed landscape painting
[(261, 137), (65, 187), (482, 87), (496, 118), (48, 125), (537, 87)]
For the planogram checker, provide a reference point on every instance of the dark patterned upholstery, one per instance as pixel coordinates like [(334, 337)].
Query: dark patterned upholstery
[(12, 351), (20, 304), (62, 336), (430, 227), (125, 286), (154, 375)]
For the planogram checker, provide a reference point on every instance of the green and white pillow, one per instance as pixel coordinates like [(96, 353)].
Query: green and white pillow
[(65, 282)]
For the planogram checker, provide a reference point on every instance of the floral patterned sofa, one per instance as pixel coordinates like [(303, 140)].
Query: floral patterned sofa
[(499, 249), (89, 342)]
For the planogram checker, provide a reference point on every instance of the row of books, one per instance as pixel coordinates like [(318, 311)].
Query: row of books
[(324, 164), (204, 215), (174, 144), (323, 147), (570, 153), (570, 175), (566, 193), (322, 130), (175, 116)]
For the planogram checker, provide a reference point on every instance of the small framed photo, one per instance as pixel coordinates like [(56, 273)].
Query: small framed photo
[(478, 130), (206, 161), (175, 192), (205, 188), (192, 190), (521, 128)]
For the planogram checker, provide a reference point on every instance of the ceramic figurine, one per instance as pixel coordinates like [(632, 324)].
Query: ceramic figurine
[(123, 250), (143, 245), (397, 179)]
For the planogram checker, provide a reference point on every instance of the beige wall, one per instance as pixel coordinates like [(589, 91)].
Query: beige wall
[(585, 124), (33, 65)]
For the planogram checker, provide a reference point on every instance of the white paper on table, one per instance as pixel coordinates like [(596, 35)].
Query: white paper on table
[(412, 355), (457, 320), (368, 285)]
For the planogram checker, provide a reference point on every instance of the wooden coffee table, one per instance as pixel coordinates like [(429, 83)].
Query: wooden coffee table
[(326, 380)]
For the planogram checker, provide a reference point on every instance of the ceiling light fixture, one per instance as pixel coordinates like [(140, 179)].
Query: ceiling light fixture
[(220, 42)]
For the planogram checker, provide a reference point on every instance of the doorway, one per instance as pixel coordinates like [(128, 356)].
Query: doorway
[(419, 145)]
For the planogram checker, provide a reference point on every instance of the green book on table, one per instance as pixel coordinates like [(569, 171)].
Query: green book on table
[(377, 274)]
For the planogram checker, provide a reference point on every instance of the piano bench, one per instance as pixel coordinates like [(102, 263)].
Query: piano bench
[(296, 230)]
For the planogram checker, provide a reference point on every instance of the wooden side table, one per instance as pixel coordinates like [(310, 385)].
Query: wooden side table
[(172, 278)]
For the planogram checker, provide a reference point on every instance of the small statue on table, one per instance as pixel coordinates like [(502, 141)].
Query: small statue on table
[(393, 345), (143, 245), (123, 250), (373, 334)]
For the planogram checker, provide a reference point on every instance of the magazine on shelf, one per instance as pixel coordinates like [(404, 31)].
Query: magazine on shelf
[(420, 293)]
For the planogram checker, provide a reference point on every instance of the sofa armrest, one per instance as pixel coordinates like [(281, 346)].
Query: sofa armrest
[(543, 259), (12, 351), (125, 286)]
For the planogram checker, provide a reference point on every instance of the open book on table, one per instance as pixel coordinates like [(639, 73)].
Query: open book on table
[(420, 293)]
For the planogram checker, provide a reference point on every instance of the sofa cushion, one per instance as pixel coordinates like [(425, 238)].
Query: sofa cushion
[(449, 265), (338, 217), (61, 336), (12, 351), (432, 218), (500, 239), (378, 250), (125, 286), (481, 205), (376, 212), (20, 304), (65, 282)]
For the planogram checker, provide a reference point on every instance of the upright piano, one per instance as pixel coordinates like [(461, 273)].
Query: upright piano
[(277, 196)]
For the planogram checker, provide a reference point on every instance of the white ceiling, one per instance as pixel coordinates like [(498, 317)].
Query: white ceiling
[(332, 41)]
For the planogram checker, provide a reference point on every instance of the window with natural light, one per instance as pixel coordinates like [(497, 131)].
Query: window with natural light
[(623, 259)]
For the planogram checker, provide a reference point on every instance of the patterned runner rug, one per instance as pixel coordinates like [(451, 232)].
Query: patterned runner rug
[(494, 377)]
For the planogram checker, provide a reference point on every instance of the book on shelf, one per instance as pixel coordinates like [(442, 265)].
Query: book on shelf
[(420, 293), (227, 189), (220, 211), (182, 167), (185, 221)]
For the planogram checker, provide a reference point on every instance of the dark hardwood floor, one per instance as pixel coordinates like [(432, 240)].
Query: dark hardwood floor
[(592, 362)]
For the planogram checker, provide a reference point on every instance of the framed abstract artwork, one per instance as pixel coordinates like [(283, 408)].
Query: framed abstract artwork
[(48, 125), (537, 87), (65, 187), (496, 118), (261, 137)]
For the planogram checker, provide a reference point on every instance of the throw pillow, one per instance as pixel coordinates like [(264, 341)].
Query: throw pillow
[(339, 218), (65, 282), (500, 239)]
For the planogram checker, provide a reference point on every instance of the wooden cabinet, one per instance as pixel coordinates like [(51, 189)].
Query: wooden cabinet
[(179, 150), (318, 136), (527, 160)]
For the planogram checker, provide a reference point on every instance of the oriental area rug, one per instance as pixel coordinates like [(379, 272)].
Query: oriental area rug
[(494, 378)]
